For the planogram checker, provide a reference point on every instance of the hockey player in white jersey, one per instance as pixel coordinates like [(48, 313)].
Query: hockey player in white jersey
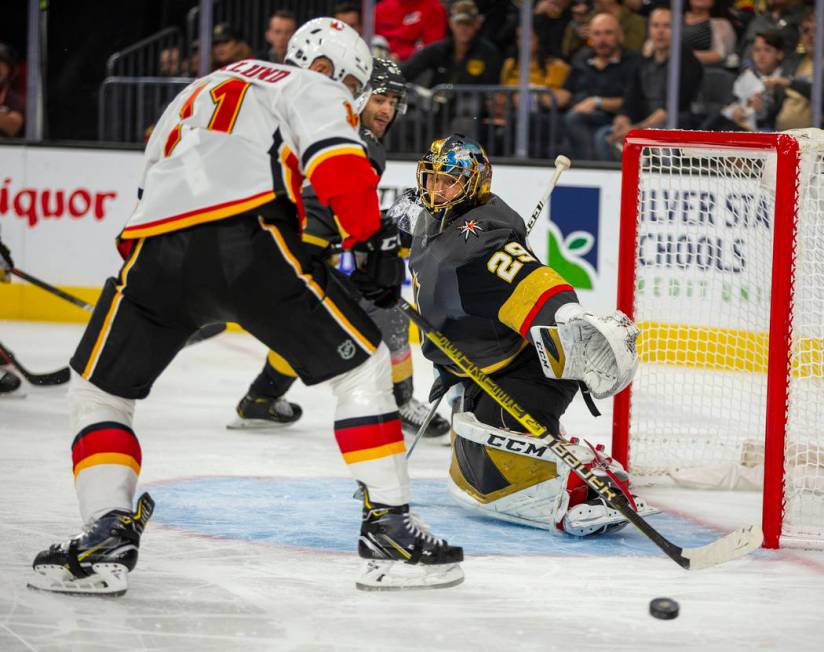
[(215, 237), (265, 405)]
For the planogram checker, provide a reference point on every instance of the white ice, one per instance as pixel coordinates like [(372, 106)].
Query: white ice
[(205, 581)]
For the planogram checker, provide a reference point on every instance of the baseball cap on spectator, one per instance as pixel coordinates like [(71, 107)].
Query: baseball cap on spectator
[(224, 32), (463, 11)]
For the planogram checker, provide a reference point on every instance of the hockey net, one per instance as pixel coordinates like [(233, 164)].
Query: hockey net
[(722, 266)]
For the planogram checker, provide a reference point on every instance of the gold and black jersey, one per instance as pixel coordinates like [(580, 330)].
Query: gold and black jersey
[(478, 282)]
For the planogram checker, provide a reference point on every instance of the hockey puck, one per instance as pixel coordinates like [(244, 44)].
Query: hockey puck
[(663, 608)]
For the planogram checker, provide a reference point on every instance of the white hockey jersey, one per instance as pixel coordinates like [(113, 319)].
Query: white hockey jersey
[(235, 139)]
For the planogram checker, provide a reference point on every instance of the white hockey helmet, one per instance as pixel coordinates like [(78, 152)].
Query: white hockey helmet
[(335, 40)]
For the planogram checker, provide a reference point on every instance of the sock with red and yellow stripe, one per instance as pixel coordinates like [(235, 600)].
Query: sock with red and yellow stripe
[(106, 457), (368, 429)]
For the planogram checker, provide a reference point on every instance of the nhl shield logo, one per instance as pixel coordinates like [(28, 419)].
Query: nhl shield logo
[(346, 350)]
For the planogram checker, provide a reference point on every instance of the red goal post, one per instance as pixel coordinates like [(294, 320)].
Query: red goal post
[(721, 263)]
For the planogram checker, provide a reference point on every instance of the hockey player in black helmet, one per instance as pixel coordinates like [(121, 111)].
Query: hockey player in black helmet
[(477, 281), (265, 404)]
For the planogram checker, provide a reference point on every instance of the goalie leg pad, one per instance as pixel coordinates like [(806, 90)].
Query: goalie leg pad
[(581, 512), (596, 517), (382, 575)]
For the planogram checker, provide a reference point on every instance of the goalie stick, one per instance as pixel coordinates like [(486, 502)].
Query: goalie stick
[(561, 163), (58, 377), (729, 547)]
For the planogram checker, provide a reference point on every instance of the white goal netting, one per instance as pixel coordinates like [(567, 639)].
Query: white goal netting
[(704, 269)]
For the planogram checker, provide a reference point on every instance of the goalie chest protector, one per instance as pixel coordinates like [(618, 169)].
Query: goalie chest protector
[(455, 293)]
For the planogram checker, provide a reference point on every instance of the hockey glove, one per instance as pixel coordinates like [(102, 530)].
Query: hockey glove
[(380, 271), (600, 351), (6, 263)]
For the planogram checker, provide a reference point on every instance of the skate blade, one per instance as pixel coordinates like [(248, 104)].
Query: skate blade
[(107, 580), (256, 424), (398, 576)]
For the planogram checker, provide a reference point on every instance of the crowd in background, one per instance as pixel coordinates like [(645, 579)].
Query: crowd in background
[(598, 67)]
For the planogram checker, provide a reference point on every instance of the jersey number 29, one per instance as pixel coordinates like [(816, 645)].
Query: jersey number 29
[(507, 263)]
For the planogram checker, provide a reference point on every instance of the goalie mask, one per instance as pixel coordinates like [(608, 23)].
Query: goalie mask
[(453, 176), (341, 45)]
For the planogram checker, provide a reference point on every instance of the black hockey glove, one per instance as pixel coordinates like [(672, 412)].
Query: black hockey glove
[(6, 263), (380, 272)]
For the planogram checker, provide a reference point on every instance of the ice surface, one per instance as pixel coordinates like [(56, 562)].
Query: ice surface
[(251, 546)]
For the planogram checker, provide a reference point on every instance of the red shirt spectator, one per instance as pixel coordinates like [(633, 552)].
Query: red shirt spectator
[(408, 25)]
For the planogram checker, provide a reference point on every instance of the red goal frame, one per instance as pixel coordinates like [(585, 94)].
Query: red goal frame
[(787, 153)]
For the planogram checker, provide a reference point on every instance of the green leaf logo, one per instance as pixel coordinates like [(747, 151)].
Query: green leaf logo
[(566, 256)]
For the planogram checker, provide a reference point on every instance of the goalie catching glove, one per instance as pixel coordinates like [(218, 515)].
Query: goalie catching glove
[(600, 351), (380, 271)]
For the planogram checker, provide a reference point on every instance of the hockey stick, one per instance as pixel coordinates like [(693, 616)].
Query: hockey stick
[(561, 163), (729, 547), (55, 291), (424, 425), (54, 378)]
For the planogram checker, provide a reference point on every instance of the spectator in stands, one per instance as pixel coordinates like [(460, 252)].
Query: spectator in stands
[(228, 46), (783, 16), (349, 13), (550, 18), (576, 34), (12, 107), (460, 58), (633, 26), (708, 32), (756, 106), (282, 24), (794, 84), (545, 72), (500, 18), (645, 99), (409, 25), (169, 62), (594, 90)]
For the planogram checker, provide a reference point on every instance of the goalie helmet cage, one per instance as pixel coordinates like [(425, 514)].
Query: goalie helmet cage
[(721, 264)]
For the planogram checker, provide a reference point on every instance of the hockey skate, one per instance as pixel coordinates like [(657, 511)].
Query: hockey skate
[(96, 561), (10, 385), (413, 413), (401, 553), (262, 412)]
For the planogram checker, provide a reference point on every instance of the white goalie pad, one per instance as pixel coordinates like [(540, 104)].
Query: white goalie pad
[(536, 505), (600, 351), (546, 504)]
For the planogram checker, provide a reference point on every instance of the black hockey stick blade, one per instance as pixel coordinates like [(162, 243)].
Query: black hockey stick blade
[(727, 548), (59, 377)]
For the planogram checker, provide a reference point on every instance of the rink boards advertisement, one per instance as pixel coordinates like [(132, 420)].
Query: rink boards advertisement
[(62, 208), (704, 251)]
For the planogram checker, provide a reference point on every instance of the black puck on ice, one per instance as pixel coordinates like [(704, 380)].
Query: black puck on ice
[(664, 608)]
